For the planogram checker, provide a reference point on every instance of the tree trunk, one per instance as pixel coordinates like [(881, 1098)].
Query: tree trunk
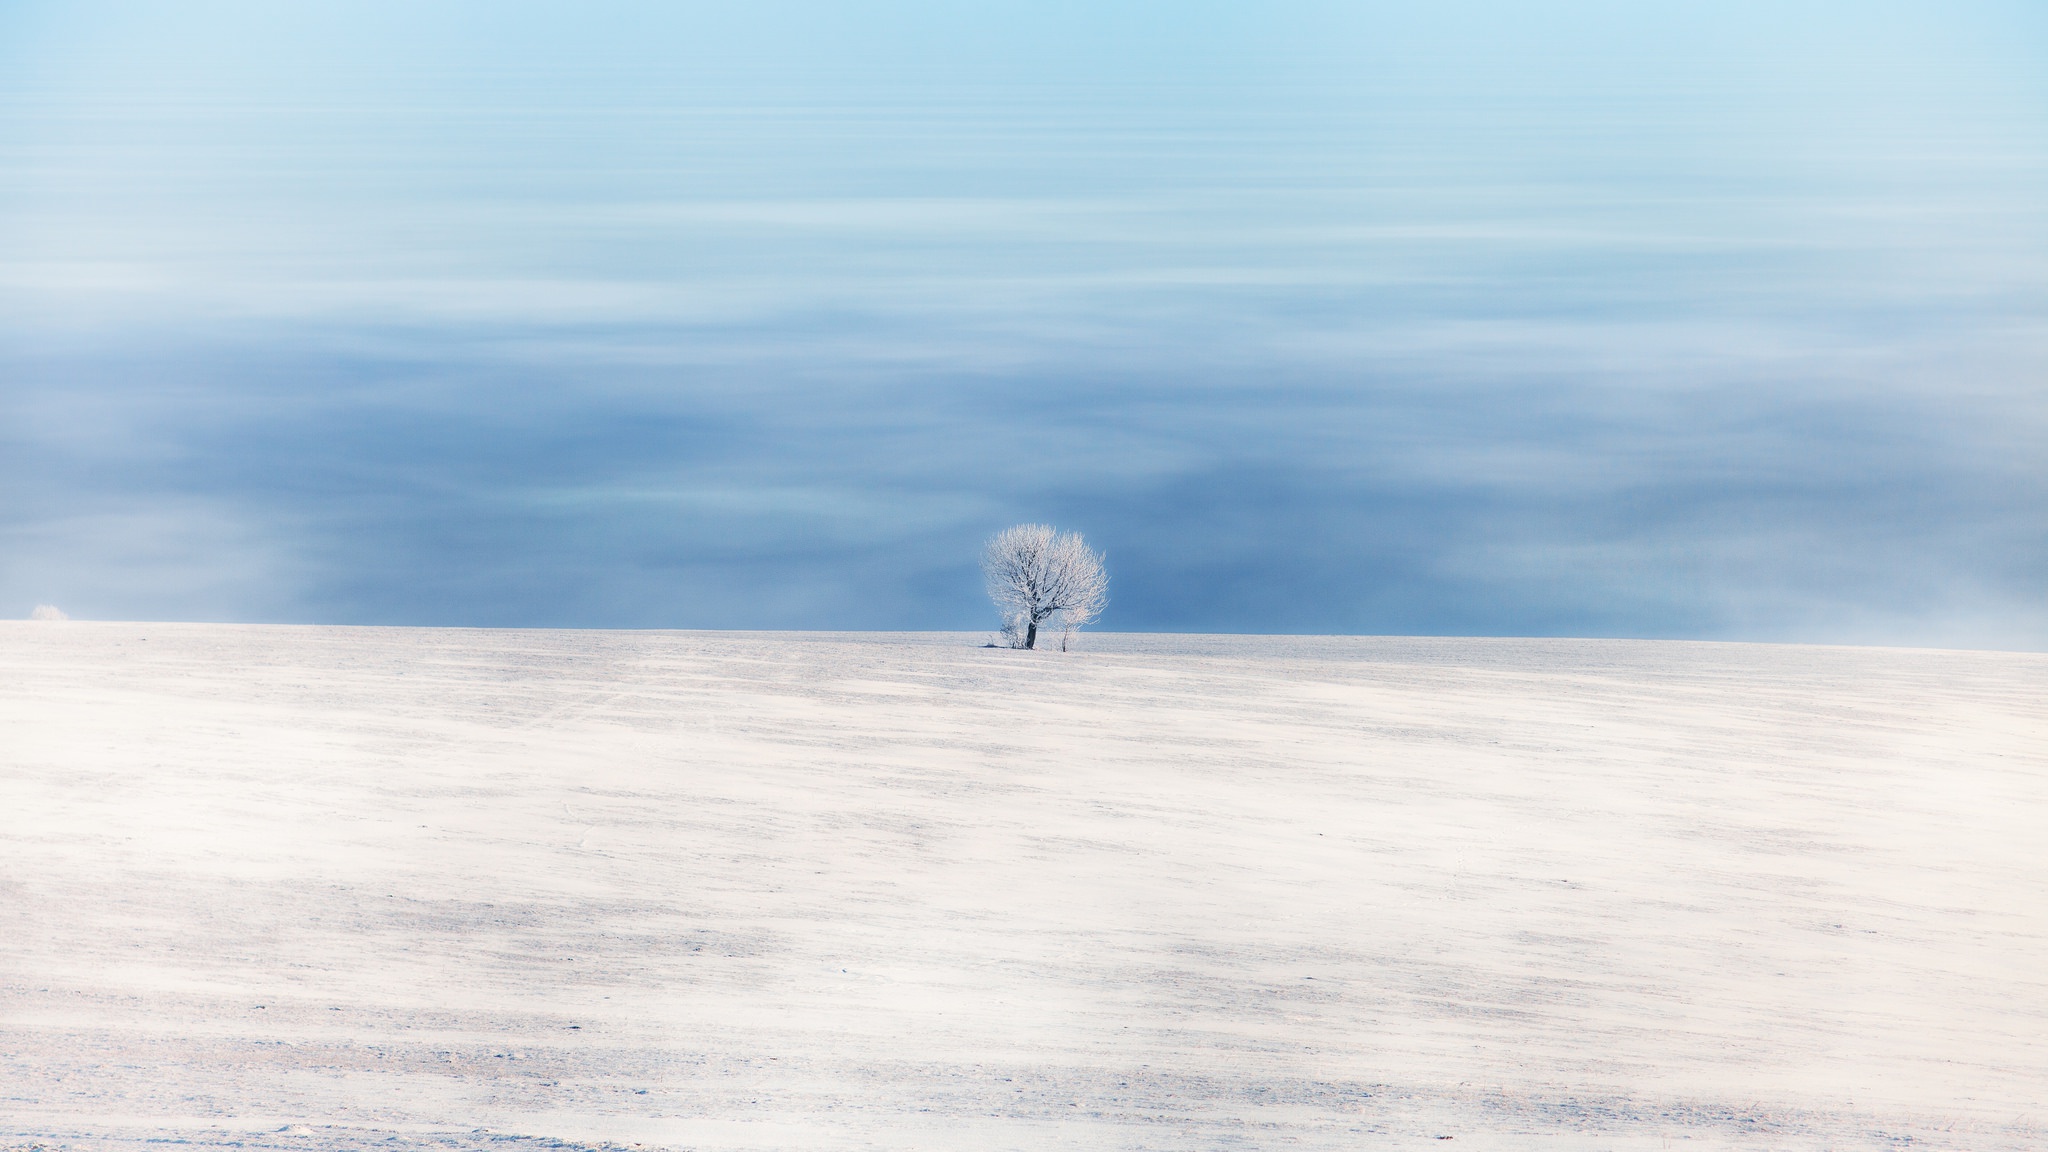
[(1031, 634)]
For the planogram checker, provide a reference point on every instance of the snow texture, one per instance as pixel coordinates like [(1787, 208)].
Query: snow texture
[(323, 888)]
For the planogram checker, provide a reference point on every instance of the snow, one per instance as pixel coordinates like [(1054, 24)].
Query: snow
[(322, 888)]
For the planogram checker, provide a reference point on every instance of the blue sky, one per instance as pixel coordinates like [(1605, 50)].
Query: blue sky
[(1723, 321)]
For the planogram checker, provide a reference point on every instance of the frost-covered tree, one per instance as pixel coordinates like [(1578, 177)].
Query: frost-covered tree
[(1036, 574)]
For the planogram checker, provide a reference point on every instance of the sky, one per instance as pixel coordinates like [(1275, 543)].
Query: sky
[(1704, 320)]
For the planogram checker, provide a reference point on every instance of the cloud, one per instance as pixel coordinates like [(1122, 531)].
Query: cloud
[(1593, 347)]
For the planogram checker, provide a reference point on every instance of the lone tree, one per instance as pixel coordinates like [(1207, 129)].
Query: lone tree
[(1037, 574)]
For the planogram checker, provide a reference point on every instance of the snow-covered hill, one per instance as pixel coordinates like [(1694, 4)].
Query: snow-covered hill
[(327, 888)]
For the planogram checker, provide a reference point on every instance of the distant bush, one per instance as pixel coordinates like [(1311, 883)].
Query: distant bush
[(48, 612)]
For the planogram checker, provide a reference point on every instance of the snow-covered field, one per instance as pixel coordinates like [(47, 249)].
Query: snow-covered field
[(392, 888)]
